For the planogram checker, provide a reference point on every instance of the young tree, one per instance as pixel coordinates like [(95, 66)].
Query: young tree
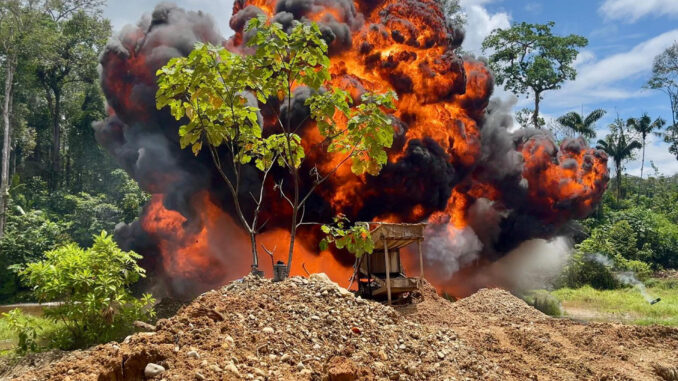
[(208, 90), (619, 148), (580, 125), (529, 58), (644, 126), (665, 78), (93, 286)]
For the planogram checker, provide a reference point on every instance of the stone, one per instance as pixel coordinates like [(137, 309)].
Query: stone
[(341, 369), (153, 370), (232, 368), (268, 330), (193, 354), (216, 368)]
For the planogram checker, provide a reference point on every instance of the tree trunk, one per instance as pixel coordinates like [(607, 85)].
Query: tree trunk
[(6, 143), (295, 216), (255, 257), (56, 141), (642, 165), (619, 181), (68, 168), (535, 116), (642, 160)]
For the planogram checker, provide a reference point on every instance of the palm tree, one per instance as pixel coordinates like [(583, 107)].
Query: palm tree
[(580, 125), (644, 126), (619, 149)]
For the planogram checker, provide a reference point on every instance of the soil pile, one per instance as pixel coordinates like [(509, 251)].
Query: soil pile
[(311, 329), (524, 343)]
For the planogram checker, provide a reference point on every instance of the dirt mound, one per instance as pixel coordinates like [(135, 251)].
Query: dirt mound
[(295, 330), (311, 329), (527, 344), (495, 303)]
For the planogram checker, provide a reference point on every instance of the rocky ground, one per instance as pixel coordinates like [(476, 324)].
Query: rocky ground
[(311, 329)]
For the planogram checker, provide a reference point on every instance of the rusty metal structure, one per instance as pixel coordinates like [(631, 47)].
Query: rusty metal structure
[(381, 273)]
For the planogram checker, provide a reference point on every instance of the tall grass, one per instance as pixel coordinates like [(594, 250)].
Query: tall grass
[(627, 304)]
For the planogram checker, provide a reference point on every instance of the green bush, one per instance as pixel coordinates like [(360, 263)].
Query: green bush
[(543, 301), (641, 269), (27, 237), (93, 287), (126, 195), (583, 270)]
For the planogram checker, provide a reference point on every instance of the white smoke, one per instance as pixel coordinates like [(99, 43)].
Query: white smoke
[(535, 264), (449, 249), (624, 277)]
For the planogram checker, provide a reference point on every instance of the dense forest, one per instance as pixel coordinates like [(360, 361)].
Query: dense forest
[(58, 184)]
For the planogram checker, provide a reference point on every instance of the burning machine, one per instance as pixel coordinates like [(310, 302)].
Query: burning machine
[(381, 273)]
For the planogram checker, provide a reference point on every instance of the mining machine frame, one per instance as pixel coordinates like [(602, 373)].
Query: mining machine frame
[(381, 273)]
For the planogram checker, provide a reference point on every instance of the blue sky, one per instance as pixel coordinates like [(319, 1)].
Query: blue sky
[(624, 36)]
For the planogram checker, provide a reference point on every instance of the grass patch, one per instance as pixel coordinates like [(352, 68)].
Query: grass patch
[(9, 339), (627, 305)]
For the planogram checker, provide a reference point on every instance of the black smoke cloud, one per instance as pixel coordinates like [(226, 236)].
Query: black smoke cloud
[(144, 140)]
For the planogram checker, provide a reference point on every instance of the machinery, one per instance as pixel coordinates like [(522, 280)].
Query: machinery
[(381, 273)]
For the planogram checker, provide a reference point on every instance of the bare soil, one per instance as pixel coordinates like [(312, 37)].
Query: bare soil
[(310, 329)]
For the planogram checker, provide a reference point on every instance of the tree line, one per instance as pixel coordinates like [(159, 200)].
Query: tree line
[(50, 95)]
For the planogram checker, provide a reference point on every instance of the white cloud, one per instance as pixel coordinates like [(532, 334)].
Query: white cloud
[(632, 10), (600, 80), (584, 56), (480, 23), (656, 151)]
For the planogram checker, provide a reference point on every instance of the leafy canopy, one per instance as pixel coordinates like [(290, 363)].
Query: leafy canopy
[(528, 56), (211, 91), (356, 239), (585, 126)]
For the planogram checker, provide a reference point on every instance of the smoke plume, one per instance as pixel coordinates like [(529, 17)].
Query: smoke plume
[(454, 163)]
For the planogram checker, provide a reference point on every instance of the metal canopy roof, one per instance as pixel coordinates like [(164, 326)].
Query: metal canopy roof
[(396, 235)]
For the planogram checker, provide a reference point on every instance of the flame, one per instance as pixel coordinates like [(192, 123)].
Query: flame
[(404, 46)]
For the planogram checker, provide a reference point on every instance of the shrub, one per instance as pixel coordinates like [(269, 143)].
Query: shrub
[(641, 269), (27, 237), (544, 302), (93, 285), (583, 270), (25, 328), (127, 195)]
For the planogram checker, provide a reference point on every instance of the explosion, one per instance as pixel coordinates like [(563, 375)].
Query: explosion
[(454, 163)]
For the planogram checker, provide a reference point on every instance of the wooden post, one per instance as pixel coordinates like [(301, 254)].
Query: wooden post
[(421, 263), (388, 271)]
